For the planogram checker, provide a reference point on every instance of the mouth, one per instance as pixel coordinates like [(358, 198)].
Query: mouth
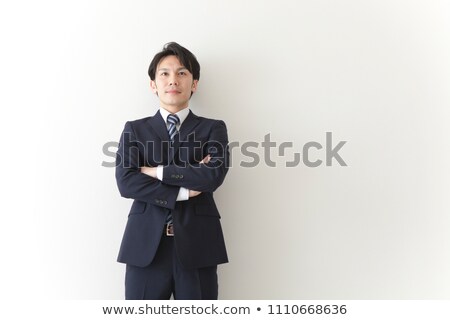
[(173, 91)]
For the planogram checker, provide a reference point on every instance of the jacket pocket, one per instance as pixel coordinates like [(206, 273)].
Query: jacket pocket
[(207, 210)]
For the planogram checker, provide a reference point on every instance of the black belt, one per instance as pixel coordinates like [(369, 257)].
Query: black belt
[(168, 230)]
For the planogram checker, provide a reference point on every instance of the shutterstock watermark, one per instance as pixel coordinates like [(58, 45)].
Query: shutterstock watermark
[(257, 153), (281, 148)]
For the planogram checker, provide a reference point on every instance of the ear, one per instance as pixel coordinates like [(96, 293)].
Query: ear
[(153, 87), (194, 86)]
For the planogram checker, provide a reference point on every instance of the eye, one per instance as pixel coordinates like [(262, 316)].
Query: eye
[(164, 73), (182, 73)]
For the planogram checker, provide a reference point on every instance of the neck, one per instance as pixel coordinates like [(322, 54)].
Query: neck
[(173, 109)]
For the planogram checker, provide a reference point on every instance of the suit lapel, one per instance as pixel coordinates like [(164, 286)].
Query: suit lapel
[(186, 128), (158, 125), (159, 129), (188, 125)]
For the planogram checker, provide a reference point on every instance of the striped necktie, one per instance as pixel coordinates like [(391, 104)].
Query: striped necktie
[(172, 120)]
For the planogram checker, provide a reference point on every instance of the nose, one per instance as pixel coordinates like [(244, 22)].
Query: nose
[(173, 81)]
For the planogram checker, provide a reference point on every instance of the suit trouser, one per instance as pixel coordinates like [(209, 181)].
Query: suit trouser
[(166, 276)]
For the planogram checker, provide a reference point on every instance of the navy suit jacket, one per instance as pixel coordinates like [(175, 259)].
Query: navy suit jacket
[(199, 240)]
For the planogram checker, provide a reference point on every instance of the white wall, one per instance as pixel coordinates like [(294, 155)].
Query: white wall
[(374, 73)]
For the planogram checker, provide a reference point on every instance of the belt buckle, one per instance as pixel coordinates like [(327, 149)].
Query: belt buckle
[(169, 230)]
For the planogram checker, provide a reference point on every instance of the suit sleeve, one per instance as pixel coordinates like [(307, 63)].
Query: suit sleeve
[(134, 184), (203, 177)]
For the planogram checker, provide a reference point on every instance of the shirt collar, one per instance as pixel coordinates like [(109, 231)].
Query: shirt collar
[(182, 114)]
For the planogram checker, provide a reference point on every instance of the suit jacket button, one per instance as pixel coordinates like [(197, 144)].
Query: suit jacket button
[(181, 176), (165, 202)]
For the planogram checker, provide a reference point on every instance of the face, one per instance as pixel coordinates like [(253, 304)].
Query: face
[(173, 84)]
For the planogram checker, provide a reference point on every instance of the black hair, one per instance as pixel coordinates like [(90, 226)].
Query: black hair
[(187, 59)]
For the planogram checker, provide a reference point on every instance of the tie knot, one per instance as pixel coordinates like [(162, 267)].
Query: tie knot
[(173, 119)]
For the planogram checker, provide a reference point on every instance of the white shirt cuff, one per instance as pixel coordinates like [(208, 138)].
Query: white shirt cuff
[(183, 194), (159, 172)]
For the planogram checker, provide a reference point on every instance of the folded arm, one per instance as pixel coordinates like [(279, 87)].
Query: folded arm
[(205, 176), (134, 184)]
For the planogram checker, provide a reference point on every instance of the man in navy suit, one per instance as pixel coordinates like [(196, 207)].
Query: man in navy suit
[(170, 164)]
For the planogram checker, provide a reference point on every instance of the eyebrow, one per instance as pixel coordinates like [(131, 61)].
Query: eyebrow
[(167, 69)]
